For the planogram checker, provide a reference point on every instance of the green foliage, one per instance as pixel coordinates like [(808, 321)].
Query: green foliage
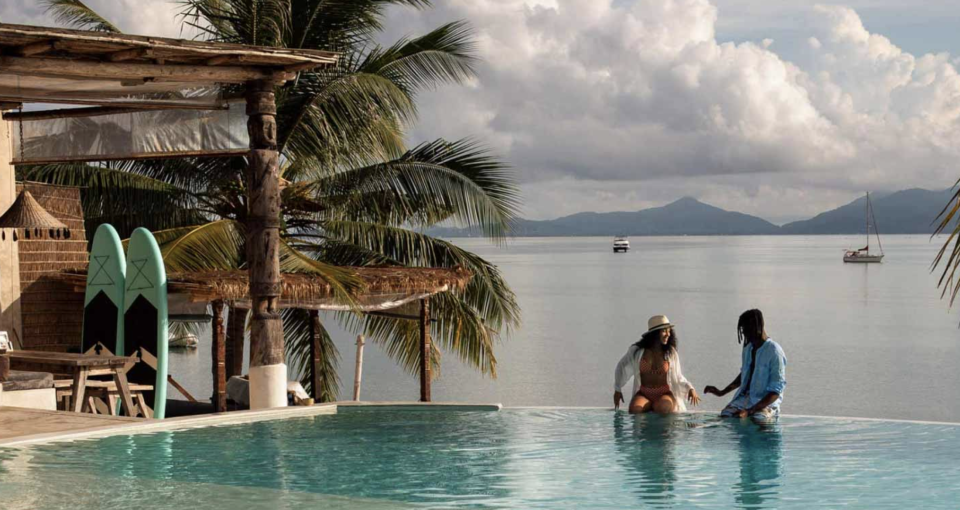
[(75, 13), (356, 196)]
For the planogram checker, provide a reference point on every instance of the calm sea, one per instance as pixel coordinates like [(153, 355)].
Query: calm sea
[(861, 340)]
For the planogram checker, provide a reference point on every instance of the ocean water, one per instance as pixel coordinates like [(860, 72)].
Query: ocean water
[(861, 340), (518, 458)]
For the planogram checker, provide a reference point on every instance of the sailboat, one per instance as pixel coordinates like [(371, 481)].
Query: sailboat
[(863, 255)]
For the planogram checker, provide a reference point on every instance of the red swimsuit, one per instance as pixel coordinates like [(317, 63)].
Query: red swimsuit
[(652, 394)]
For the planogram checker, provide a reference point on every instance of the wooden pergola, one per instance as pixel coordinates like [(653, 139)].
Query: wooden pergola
[(397, 292), (113, 73)]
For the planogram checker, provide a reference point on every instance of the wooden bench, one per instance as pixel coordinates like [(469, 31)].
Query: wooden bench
[(100, 397)]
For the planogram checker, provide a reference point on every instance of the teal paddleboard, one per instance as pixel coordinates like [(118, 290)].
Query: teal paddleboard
[(145, 316), (103, 302)]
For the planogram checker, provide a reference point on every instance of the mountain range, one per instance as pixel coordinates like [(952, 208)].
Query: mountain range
[(912, 211)]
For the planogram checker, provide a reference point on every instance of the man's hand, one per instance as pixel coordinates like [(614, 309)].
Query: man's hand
[(617, 399), (713, 390), (743, 413), (693, 398)]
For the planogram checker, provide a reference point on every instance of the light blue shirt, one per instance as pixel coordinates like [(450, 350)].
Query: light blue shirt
[(769, 377)]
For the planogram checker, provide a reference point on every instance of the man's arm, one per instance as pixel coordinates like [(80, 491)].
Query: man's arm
[(775, 385), (730, 387), (770, 398)]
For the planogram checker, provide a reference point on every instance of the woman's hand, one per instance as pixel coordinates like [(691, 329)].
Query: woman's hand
[(617, 399), (713, 390), (693, 398)]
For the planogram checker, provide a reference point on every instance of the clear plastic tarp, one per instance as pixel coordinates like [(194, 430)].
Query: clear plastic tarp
[(132, 135), (42, 89)]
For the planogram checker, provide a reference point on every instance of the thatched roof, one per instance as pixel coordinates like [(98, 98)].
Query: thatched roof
[(27, 213), (380, 288)]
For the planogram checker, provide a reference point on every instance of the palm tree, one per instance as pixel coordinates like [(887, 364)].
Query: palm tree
[(949, 255), (355, 194)]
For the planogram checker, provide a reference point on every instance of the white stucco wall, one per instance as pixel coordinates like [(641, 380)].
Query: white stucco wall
[(10, 320)]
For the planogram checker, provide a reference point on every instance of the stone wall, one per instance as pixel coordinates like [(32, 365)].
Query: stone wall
[(52, 312)]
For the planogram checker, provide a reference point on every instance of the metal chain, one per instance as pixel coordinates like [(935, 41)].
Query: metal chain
[(22, 158), (20, 120)]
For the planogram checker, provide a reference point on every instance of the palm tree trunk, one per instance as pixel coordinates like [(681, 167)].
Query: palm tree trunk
[(268, 373)]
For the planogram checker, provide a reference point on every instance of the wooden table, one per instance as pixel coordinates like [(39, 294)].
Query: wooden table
[(79, 367)]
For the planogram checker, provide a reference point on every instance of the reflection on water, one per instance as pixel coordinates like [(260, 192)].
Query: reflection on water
[(645, 447), (761, 462), (655, 453), (544, 459)]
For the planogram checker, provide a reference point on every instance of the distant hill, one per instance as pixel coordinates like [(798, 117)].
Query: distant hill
[(686, 216), (911, 211)]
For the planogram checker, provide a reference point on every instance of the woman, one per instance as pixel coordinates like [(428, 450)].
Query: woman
[(653, 362)]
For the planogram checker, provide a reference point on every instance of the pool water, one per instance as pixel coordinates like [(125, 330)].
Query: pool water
[(516, 458)]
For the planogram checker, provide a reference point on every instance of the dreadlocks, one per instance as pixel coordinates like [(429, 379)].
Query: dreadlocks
[(750, 326)]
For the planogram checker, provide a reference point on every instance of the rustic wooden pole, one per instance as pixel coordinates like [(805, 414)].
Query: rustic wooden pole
[(219, 360), (315, 354), (358, 372), (425, 350), (236, 328), (268, 373)]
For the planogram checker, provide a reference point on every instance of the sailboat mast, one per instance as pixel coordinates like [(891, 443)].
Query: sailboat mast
[(868, 222), (876, 230)]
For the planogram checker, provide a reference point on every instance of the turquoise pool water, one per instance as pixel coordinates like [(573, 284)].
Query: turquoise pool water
[(517, 458)]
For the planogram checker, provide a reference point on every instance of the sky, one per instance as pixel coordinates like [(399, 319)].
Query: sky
[(781, 109)]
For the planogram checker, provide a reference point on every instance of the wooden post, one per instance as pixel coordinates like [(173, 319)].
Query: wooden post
[(425, 350), (315, 354), (358, 372), (268, 373), (219, 360), (236, 328)]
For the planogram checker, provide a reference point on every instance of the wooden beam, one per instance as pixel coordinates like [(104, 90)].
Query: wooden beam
[(219, 362), (225, 59), (425, 349), (391, 315), (315, 360), (83, 69), (236, 328), (34, 48), (130, 54), (94, 111), (138, 156)]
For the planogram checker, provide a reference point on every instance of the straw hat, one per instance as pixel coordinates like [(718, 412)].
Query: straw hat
[(658, 322)]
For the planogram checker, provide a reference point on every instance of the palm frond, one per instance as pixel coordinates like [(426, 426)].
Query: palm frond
[(445, 55), (344, 120), (215, 245), (296, 332), (76, 14), (949, 256), (438, 181), (124, 199)]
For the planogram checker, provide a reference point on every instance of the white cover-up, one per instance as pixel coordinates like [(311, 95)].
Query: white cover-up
[(629, 366)]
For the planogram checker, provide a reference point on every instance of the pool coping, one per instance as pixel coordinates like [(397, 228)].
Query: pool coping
[(131, 426)]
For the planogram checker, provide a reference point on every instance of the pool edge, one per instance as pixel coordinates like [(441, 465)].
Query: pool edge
[(140, 426)]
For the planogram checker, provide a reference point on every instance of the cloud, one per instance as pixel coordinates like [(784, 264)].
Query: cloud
[(622, 104), (580, 93)]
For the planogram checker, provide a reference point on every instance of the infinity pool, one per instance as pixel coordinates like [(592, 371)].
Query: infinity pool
[(513, 459)]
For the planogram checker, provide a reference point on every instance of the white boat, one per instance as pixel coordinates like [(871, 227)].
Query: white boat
[(863, 255), (187, 341), (621, 244)]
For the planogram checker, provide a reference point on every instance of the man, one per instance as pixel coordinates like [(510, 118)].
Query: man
[(762, 376)]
